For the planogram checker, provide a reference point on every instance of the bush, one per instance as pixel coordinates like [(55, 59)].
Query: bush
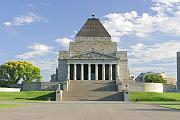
[(154, 78)]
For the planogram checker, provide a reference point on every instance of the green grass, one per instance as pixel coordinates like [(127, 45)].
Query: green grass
[(167, 99), (167, 96), (8, 105), (171, 106), (27, 96)]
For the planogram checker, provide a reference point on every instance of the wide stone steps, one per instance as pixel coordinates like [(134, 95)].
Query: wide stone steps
[(98, 96), (92, 90)]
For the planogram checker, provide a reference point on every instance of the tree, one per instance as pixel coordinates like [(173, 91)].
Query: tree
[(154, 78), (14, 71)]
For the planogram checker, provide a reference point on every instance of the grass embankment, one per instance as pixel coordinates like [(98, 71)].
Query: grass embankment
[(167, 99), (27, 96)]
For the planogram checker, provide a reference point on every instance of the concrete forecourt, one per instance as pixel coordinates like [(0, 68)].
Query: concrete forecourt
[(88, 110)]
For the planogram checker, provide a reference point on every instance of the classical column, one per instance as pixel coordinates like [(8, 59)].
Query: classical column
[(96, 71), (82, 71), (89, 71), (117, 71), (103, 72), (68, 71), (110, 71), (75, 78)]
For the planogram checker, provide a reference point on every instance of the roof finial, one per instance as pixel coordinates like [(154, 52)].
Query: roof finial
[(93, 15)]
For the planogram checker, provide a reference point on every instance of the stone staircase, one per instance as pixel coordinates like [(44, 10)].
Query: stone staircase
[(92, 90)]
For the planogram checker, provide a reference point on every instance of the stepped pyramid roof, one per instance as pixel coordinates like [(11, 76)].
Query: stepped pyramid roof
[(93, 28)]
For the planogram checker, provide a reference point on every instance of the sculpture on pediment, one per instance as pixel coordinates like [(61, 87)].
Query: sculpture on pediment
[(93, 55)]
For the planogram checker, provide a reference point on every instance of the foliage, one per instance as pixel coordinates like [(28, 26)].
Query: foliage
[(154, 78), (14, 71)]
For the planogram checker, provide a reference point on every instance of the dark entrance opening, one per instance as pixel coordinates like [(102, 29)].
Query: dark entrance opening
[(71, 71), (114, 72), (85, 71), (92, 71), (99, 72), (106, 72), (78, 72)]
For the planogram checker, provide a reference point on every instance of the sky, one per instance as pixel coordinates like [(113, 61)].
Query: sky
[(36, 30)]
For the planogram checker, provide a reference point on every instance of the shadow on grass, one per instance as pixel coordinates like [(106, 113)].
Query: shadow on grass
[(159, 99), (45, 97)]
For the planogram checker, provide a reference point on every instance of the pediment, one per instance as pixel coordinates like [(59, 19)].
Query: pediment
[(93, 55)]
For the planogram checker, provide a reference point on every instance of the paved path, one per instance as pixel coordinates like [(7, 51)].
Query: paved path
[(89, 111)]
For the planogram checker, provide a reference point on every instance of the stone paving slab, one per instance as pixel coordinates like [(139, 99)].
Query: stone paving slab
[(88, 110)]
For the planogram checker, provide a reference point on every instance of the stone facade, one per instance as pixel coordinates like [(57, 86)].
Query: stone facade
[(93, 56), (178, 70)]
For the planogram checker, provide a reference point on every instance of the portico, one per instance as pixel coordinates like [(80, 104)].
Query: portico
[(92, 71)]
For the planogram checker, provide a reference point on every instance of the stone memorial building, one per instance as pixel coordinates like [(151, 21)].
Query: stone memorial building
[(92, 56)]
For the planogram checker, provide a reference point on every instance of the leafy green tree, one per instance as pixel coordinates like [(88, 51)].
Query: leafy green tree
[(154, 78), (14, 71)]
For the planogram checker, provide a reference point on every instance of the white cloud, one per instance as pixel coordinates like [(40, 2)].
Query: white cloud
[(46, 64), (25, 19), (160, 57), (166, 1), (37, 49), (42, 48), (166, 20), (42, 56), (141, 69), (64, 42), (141, 53), (7, 23)]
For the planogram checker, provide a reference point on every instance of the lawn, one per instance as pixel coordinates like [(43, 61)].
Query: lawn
[(171, 106), (9, 105), (167, 99), (167, 96), (27, 96)]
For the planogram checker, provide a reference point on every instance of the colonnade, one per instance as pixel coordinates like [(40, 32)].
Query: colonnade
[(75, 70)]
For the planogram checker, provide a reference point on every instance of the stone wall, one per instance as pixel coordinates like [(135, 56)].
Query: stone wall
[(122, 55), (62, 70), (154, 87), (44, 86), (169, 88), (16, 86), (64, 54), (106, 47), (132, 86), (123, 64), (140, 87), (49, 86), (31, 86), (123, 71)]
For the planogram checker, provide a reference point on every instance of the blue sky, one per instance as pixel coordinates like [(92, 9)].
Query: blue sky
[(36, 30)]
